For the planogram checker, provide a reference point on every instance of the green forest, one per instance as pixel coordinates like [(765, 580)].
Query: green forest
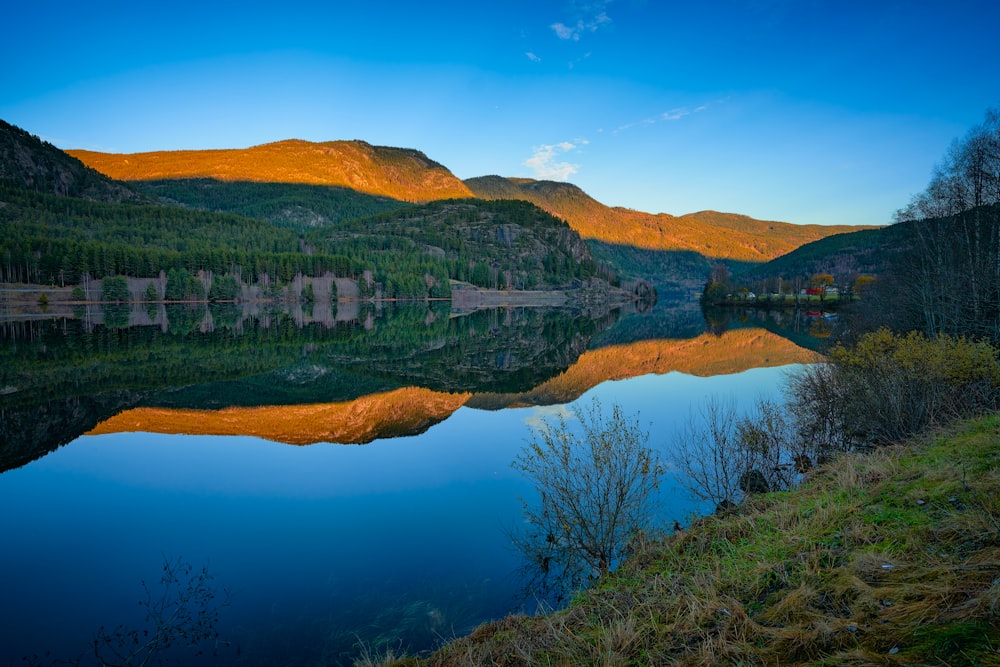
[(63, 224), (297, 206), (410, 253)]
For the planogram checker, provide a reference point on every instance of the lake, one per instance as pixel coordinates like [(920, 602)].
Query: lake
[(347, 479)]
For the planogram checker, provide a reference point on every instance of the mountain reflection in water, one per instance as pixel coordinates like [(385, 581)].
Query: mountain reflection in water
[(412, 410), (386, 373), (396, 544)]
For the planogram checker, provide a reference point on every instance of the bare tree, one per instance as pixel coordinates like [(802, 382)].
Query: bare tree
[(708, 453), (967, 177), (724, 456), (596, 482), (182, 612)]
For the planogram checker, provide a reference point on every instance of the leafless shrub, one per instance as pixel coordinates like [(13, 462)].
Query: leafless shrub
[(724, 456), (596, 487)]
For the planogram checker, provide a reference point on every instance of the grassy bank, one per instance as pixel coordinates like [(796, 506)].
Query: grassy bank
[(891, 558)]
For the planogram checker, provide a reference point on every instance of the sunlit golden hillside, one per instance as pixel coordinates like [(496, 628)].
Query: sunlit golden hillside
[(709, 233), (400, 173)]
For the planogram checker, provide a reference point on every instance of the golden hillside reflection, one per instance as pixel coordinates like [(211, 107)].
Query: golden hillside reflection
[(406, 411), (412, 410), (707, 355)]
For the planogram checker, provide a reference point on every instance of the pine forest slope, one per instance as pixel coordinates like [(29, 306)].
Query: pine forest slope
[(400, 173), (30, 163), (862, 252), (297, 206), (718, 236), (413, 252)]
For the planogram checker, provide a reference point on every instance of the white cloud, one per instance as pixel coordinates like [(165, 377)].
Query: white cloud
[(593, 17), (532, 57), (563, 31), (546, 165)]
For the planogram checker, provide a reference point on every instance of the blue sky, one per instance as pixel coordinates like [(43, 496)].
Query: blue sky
[(807, 111)]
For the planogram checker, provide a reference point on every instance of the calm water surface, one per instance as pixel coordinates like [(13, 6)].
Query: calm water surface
[(400, 542)]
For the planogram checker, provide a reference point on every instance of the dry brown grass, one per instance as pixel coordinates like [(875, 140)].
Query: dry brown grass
[(888, 559)]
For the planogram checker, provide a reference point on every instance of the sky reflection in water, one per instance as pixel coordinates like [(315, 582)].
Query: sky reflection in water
[(322, 544)]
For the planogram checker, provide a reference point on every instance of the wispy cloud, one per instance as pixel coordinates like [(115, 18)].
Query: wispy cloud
[(666, 116), (590, 17), (546, 164), (638, 123), (532, 57), (677, 114)]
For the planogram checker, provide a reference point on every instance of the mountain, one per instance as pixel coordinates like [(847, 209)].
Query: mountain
[(409, 175), (62, 223), (320, 191), (400, 173), (867, 251), (717, 236), (402, 412), (28, 162)]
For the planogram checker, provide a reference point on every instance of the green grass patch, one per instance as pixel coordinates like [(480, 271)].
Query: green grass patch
[(890, 558)]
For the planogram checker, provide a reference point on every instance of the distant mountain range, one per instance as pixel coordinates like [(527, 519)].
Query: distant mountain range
[(717, 236), (409, 175), (306, 186)]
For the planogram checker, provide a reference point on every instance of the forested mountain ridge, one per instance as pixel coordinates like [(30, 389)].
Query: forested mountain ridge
[(28, 162), (716, 236), (409, 175), (412, 253), (311, 208), (62, 224), (400, 173)]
